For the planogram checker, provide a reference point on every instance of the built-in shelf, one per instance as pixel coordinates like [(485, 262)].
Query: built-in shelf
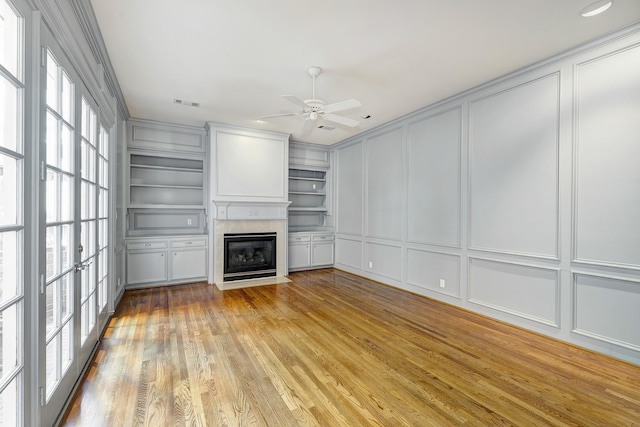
[(307, 193), (165, 182)]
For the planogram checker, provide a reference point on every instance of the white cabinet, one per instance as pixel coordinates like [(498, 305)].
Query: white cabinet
[(310, 250), (155, 261), (188, 259), (146, 266), (299, 251), (322, 250)]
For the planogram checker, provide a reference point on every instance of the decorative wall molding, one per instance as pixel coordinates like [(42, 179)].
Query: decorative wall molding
[(534, 301), (606, 309), (238, 210)]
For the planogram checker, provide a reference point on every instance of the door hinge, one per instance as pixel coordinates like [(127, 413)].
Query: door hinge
[(43, 56), (43, 397), (43, 171), (42, 283)]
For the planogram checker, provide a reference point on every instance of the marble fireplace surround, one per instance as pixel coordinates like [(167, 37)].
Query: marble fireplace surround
[(247, 217)]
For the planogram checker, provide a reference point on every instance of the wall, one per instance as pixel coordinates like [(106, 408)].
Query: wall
[(518, 199)]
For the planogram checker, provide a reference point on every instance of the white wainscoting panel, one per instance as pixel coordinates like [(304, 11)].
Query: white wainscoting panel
[(385, 259), (513, 151), (426, 269), (434, 179), (349, 190), (529, 292), (607, 222), (607, 309), (349, 252), (385, 183)]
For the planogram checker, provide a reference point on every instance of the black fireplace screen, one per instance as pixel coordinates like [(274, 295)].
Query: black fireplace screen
[(248, 256)]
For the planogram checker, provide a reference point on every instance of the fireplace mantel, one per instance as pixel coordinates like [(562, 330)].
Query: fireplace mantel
[(253, 210)]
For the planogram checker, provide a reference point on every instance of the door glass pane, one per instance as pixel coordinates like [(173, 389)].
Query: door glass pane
[(53, 198), (9, 265), (9, 404), (52, 362), (10, 46), (60, 224), (52, 294), (8, 340), (66, 98), (88, 193), (66, 149), (9, 190), (53, 85), (9, 116), (52, 139), (66, 198), (88, 170), (53, 256)]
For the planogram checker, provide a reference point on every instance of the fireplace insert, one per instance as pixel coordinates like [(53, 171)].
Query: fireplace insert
[(249, 256)]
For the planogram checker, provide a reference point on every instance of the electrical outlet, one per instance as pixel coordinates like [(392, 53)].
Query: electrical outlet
[(370, 264), (118, 286), (442, 283), (188, 221)]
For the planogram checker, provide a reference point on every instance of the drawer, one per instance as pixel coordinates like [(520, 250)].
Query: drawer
[(299, 238), (189, 243), (322, 237), (148, 244)]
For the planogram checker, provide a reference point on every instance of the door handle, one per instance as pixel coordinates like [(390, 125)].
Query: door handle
[(80, 266)]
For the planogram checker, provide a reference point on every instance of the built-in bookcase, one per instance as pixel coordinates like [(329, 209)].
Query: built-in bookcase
[(165, 182), (308, 196)]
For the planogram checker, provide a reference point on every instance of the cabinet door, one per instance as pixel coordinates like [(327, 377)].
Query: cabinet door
[(299, 256), (188, 264), (321, 254), (144, 267)]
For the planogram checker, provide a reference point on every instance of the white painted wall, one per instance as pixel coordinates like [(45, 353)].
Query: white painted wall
[(523, 195)]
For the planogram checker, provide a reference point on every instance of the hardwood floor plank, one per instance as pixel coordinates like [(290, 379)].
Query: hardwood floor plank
[(334, 349)]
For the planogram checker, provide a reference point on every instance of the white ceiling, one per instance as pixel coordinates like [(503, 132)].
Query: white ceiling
[(236, 57)]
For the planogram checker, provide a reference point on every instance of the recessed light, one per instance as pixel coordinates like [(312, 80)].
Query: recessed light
[(260, 121), (596, 8)]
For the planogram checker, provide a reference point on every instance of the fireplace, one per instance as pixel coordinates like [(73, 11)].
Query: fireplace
[(249, 256)]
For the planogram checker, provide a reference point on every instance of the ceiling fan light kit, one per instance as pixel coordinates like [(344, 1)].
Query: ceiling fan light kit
[(316, 108), (596, 8)]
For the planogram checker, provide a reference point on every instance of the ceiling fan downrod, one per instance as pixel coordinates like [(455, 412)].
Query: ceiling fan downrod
[(313, 72)]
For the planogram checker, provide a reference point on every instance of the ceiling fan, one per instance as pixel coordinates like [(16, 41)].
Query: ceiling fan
[(315, 108)]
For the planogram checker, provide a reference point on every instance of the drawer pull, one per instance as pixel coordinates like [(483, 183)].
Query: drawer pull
[(146, 245), (188, 243)]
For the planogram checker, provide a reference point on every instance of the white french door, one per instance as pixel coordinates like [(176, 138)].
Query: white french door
[(12, 224), (74, 172)]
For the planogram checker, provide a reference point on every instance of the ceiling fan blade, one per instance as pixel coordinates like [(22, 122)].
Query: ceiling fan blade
[(270, 116), (342, 105), (306, 126), (340, 120), (295, 100)]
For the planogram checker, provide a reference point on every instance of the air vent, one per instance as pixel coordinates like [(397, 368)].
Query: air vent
[(186, 103), (325, 127)]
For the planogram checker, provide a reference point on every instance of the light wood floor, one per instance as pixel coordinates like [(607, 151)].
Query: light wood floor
[(333, 349)]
